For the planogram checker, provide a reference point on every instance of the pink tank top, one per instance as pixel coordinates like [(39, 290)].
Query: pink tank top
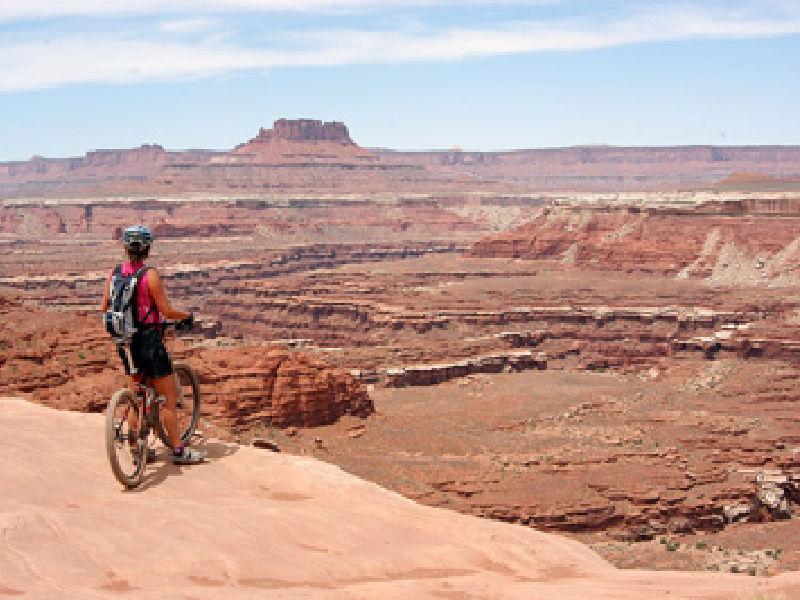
[(144, 303)]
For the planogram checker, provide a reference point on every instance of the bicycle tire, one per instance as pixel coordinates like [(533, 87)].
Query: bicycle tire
[(185, 376), (129, 476)]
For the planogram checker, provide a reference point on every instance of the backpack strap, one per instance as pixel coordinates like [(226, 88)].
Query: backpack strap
[(114, 274), (114, 285)]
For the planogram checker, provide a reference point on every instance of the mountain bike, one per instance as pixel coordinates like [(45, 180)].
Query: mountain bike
[(132, 415)]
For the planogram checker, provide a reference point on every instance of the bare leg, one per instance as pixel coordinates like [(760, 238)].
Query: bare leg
[(168, 412)]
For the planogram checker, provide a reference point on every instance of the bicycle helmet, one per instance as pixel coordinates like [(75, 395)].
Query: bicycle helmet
[(137, 238)]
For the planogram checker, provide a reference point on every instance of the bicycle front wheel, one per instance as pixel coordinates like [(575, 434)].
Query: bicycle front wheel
[(187, 406), (125, 448)]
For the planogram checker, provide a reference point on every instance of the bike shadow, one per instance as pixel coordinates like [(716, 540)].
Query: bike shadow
[(160, 470)]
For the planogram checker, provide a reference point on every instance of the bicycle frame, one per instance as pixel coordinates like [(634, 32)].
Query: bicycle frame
[(141, 415), (145, 397), (142, 389)]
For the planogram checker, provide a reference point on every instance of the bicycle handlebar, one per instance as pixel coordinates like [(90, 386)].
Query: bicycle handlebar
[(177, 326)]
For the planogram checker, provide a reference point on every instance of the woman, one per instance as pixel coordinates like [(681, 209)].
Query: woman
[(150, 357)]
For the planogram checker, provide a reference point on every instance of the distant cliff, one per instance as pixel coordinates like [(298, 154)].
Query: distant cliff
[(303, 130), (309, 156), (616, 168)]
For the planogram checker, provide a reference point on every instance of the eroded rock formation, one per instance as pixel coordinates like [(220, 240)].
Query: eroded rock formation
[(302, 130), (255, 386), (727, 243), (67, 361)]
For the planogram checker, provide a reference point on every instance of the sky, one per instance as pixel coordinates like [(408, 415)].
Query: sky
[(78, 75)]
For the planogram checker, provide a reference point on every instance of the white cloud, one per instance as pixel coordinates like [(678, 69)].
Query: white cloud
[(193, 25), (75, 59), (125, 57), (24, 9)]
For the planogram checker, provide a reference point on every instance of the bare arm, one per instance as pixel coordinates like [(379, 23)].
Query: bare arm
[(159, 296), (104, 303)]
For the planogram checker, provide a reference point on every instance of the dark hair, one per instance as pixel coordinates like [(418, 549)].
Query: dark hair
[(136, 255)]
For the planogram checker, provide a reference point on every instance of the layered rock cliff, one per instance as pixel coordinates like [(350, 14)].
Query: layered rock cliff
[(738, 242), (316, 156), (615, 168), (72, 364), (303, 130)]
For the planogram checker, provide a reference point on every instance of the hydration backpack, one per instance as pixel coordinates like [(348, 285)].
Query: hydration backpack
[(121, 318)]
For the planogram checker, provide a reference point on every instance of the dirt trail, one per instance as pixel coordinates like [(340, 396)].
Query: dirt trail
[(251, 524)]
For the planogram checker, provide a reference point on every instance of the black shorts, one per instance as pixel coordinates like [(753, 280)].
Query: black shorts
[(149, 355)]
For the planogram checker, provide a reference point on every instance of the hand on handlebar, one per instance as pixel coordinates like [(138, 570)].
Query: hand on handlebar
[(186, 324)]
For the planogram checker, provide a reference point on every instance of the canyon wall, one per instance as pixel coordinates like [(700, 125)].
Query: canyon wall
[(613, 168), (312, 156), (737, 242), (335, 219), (72, 364)]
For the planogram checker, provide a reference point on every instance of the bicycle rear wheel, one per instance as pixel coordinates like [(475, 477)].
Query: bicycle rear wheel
[(188, 405), (126, 450)]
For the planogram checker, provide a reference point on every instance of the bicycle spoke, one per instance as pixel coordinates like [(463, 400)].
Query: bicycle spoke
[(185, 403), (124, 444)]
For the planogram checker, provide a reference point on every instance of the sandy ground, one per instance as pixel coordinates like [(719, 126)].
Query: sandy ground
[(251, 524)]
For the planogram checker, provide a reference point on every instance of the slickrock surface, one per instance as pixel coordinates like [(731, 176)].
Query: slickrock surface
[(252, 524)]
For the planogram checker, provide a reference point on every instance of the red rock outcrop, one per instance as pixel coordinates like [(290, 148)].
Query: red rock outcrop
[(67, 361), (256, 386), (306, 219), (303, 130), (730, 244)]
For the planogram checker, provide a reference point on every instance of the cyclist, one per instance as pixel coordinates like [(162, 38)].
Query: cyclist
[(150, 357)]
